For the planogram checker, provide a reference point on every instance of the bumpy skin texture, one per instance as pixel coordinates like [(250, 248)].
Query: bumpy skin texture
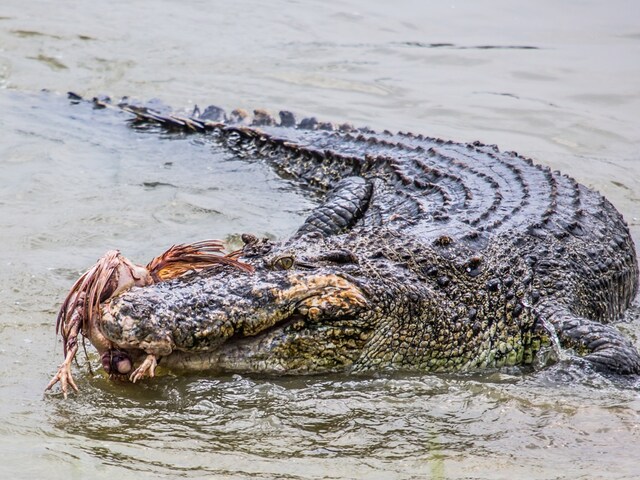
[(426, 255)]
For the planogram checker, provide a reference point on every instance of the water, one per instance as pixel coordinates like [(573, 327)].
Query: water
[(556, 84)]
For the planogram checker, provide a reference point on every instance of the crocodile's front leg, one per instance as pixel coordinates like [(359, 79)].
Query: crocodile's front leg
[(343, 207)]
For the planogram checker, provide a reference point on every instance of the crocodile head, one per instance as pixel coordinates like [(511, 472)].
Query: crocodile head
[(302, 310)]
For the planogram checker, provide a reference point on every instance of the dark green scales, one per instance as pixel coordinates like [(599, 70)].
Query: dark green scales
[(426, 255)]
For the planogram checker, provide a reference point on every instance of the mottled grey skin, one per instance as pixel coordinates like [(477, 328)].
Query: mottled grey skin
[(426, 255)]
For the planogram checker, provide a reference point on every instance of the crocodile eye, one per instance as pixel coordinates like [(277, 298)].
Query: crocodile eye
[(284, 262)]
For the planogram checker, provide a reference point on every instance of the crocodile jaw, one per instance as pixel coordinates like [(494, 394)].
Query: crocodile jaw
[(273, 324)]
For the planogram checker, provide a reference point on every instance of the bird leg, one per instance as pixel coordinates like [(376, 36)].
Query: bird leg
[(146, 369)]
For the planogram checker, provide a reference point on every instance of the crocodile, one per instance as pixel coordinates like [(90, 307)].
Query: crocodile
[(422, 255)]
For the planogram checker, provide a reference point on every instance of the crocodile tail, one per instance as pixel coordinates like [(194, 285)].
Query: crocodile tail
[(287, 145), (192, 257)]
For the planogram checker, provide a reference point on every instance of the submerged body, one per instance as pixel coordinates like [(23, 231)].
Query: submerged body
[(425, 255)]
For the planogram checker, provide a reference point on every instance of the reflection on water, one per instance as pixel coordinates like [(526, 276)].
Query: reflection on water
[(559, 85), (353, 428)]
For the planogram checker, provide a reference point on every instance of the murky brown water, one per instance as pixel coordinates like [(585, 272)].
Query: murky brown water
[(557, 84)]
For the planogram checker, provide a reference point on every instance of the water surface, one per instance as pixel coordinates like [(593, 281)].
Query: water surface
[(557, 84)]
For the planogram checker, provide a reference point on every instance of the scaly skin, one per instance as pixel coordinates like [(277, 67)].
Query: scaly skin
[(426, 255)]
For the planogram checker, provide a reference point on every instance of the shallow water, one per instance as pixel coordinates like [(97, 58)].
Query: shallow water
[(559, 85)]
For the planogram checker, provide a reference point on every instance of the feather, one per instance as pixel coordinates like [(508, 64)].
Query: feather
[(180, 259)]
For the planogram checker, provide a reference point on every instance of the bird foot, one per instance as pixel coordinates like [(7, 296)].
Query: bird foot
[(146, 369), (64, 375)]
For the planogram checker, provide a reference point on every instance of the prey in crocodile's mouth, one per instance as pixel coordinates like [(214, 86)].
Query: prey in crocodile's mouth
[(112, 275)]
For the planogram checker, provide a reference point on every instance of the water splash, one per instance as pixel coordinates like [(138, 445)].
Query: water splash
[(560, 353)]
